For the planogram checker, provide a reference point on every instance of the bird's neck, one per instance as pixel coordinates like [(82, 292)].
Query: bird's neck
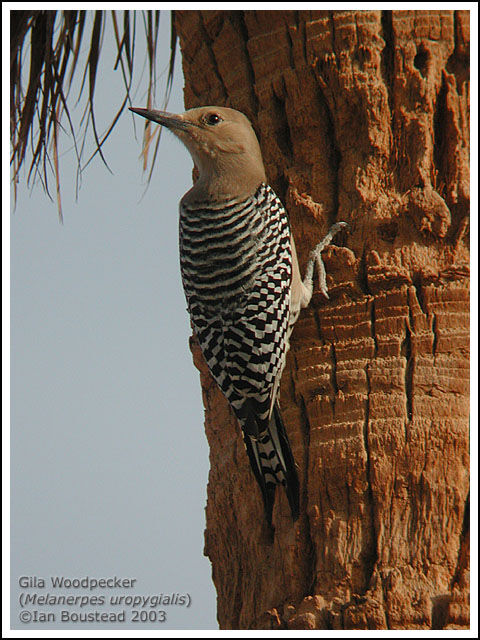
[(221, 184)]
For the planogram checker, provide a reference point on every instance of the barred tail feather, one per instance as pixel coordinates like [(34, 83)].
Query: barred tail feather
[(272, 463)]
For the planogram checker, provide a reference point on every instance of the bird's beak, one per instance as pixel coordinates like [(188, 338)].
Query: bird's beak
[(169, 120)]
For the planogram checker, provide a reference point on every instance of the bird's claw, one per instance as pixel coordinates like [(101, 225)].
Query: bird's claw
[(317, 257)]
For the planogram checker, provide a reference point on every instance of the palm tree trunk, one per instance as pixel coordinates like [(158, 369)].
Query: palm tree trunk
[(362, 116)]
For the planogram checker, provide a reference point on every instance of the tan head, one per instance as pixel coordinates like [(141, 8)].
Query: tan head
[(223, 146)]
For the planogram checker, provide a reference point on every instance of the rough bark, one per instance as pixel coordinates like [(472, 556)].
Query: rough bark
[(362, 116)]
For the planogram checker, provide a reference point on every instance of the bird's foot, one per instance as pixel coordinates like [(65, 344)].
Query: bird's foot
[(316, 259)]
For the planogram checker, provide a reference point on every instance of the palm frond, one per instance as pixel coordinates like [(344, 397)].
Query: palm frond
[(45, 52)]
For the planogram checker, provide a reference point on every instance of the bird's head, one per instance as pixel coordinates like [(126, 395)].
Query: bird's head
[(223, 146)]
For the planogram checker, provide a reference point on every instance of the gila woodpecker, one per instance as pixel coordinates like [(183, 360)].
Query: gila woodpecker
[(242, 282)]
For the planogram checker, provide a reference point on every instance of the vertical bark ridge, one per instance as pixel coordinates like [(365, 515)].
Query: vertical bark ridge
[(362, 116)]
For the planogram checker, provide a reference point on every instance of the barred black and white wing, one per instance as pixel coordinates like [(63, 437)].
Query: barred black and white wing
[(237, 268)]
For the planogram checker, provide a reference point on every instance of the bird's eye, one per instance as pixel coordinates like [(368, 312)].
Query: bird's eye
[(213, 119)]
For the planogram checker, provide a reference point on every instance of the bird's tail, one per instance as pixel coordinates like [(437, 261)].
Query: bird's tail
[(272, 462)]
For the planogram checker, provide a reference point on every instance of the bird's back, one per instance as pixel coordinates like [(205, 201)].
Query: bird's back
[(226, 246), (236, 265)]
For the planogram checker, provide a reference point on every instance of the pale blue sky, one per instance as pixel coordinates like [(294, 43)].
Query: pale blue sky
[(109, 455)]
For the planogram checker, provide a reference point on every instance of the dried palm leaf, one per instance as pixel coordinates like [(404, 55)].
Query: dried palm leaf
[(45, 52)]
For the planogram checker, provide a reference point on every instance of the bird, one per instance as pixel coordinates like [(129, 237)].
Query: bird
[(242, 281)]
